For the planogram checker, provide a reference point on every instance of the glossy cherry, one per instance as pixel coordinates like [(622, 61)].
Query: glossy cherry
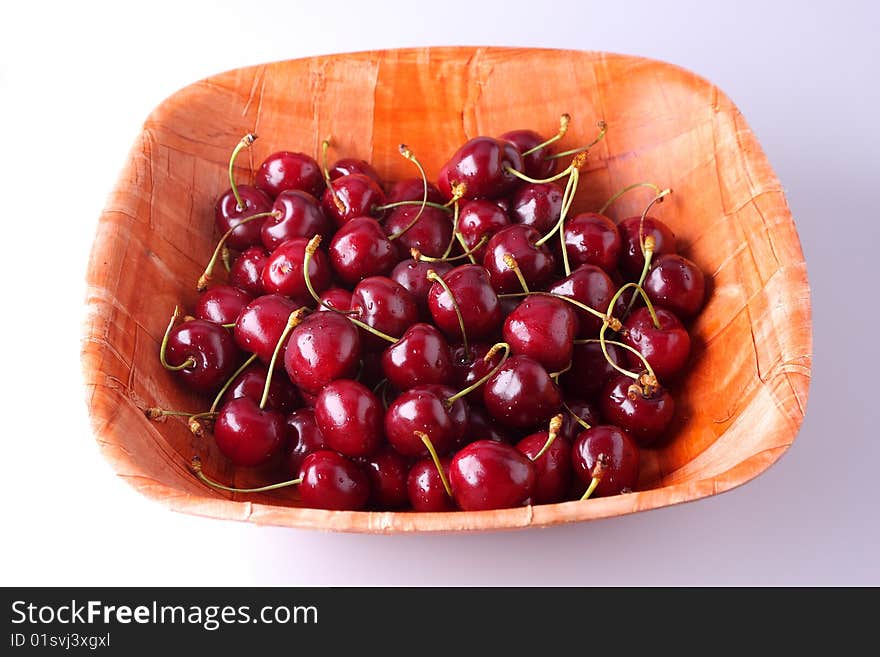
[(643, 416), (412, 189), (354, 195), (666, 348), (543, 328), (430, 233), (480, 218), (535, 164), (619, 470), (476, 299), (481, 164), (388, 472), (349, 165), (282, 395), (260, 324), (590, 370), (591, 286), (632, 260), (304, 437), (677, 284), (491, 475), (537, 205), (283, 273), (521, 394), (420, 356), (208, 347), (553, 470), (413, 275), (323, 348), (349, 417), (536, 263), (384, 305), (331, 481), (221, 304), (361, 249), (471, 366), (425, 487), (248, 435), (299, 215), (337, 297), (228, 214), (283, 171), (247, 270), (589, 412), (592, 238), (424, 409)]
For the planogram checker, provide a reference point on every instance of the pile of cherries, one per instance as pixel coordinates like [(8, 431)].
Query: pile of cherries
[(467, 345)]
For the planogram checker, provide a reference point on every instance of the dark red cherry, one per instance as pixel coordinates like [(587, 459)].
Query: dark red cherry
[(387, 471), (430, 234), (591, 286), (420, 356), (482, 165), (552, 470), (542, 327), (631, 258), (250, 383), (260, 324), (227, 214), (331, 481), (284, 171), (537, 205), (590, 370), (490, 475), (619, 471), (414, 277), (348, 165), (536, 263), (356, 194), (323, 348), (361, 249), (644, 417), (482, 427), (247, 270), (480, 218), (304, 437), (299, 215), (349, 417), (521, 394), (424, 409), (592, 239), (221, 304), (587, 411), (386, 306), (412, 189), (666, 348), (425, 487), (536, 164), (248, 435), (477, 301), (283, 273), (472, 366), (209, 346), (338, 297), (677, 284)]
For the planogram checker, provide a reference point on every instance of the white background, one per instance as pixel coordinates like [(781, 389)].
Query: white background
[(76, 81)]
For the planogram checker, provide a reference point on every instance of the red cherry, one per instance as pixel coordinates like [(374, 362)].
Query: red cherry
[(304, 438), (587, 411), (260, 324), (482, 427), (591, 286), (210, 350), (477, 301), (480, 218), (430, 233), (387, 471), (472, 366), (331, 481), (221, 304), (412, 189), (632, 261), (666, 348), (420, 356), (590, 370), (537, 205), (355, 196), (618, 454), (490, 475), (349, 416), (337, 297), (413, 276), (348, 165), (384, 305), (246, 434), (228, 214), (535, 164), (323, 348), (247, 270), (283, 273), (543, 328), (592, 238), (553, 469), (677, 284), (521, 394), (425, 487), (482, 166), (536, 263), (284, 171), (299, 215), (643, 416), (424, 409), (250, 383), (361, 249)]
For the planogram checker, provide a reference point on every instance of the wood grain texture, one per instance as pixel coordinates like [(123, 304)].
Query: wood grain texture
[(744, 398)]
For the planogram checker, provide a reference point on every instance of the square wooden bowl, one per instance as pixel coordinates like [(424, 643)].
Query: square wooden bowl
[(743, 400)]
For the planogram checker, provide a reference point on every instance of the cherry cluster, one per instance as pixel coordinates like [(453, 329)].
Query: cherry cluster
[(466, 345)]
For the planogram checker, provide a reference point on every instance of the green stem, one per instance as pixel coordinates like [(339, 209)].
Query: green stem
[(417, 255), (433, 276), (229, 381), (552, 433), (409, 155), (245, 142), (603, 128), (626, 189), (209, 269), (598, 473), (434, 457), (196, 466), (511, 263), (293, 321), (564, 120), (577, 418), (476, 384), (621, 345), (189, 362), (455, 211), (567, 198), (397, 204)]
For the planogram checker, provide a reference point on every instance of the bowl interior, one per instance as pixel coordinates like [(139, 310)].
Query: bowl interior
[(743, 399)]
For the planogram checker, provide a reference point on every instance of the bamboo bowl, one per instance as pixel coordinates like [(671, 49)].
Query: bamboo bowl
[(744, 398)]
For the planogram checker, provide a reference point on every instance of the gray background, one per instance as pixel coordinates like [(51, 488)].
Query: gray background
[(75, 83)]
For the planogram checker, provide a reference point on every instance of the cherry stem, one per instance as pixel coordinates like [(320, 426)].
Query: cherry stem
[(603, 128), (436, 278), (577, 163), (622, 345), (409, 155), (604, 317), (245, 142), (511, 263), (577, 418), (626, 189), (598, 473), (228, 326), (459, 189), (229, 381), (209, 269), (293, 321), (470, 253), (189, 362), (648, 252), (552, 433), (455, 211), (417, 255), (325, 146), (567, 199), (433, 452), (641, 291), (397, 204), (154, 413), (225, 256), (555, 375), (650, 382), (564, 120), (476, 384), (196, 465)]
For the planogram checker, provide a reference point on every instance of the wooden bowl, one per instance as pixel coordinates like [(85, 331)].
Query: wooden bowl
[(743, 400)]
